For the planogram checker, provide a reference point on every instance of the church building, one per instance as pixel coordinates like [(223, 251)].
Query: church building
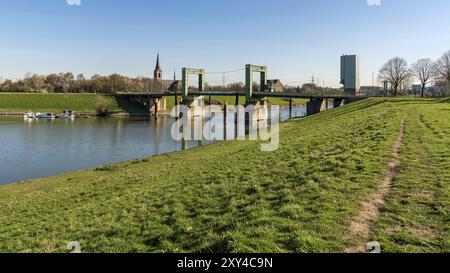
[(161, 85)]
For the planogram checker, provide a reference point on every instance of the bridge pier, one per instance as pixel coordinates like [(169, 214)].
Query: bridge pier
[(290, 108), (315, 106), (198, 107), (260, 113), (153, 104), (157, 104)]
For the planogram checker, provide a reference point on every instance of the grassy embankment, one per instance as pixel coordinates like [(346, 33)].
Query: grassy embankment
[(416, 217), (81, 103), (230, 197), (88, 103)]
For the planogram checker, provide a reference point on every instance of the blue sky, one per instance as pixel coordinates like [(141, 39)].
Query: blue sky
[(294, 38)]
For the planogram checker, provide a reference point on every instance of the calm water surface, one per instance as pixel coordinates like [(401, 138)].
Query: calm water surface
[(40, 148)]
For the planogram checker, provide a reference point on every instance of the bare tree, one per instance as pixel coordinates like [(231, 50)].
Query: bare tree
[(423, 71), (407, 83), (443, 66), (395, 72)]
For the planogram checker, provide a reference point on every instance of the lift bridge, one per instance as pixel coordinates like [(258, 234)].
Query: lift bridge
[(155, 100)]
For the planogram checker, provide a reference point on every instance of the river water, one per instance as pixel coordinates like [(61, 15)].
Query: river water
[(42, 148)]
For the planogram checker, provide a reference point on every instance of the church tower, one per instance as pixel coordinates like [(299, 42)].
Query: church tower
[(157, 74)]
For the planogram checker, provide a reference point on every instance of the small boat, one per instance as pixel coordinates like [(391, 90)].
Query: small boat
[(29, 115), (45, 116), (67, 115)]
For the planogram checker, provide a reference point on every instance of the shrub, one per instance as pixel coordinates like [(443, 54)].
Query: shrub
[(102, 105)]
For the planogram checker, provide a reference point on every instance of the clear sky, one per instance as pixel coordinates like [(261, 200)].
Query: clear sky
[(294, 38)]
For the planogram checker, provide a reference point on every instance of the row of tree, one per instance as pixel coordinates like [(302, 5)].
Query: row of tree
[(398, 74), (68, 83)]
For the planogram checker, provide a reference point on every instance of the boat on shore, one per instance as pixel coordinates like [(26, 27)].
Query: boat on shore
[(45, 116), (29, 115), (67, 115)]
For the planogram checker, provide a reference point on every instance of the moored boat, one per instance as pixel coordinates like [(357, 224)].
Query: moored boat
[(67, 115), (29, 115), (45, 116)]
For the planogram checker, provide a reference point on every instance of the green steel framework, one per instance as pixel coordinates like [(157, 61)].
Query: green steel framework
[(249, 70), (185, 81)]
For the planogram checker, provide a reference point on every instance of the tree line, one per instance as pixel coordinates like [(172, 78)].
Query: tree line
[(69, 83), (397, 74)]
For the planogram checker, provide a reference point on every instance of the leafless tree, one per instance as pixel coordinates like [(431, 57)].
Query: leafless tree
[(423, 71), (396, 73), (443, 66)]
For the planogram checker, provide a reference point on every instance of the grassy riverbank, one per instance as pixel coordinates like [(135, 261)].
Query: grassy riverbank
[(82, 103), (231, 197), (88, 103)]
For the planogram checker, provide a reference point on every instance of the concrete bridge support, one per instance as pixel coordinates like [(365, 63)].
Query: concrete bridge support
[(315, 106), (261, 112), (197, 107), (152, 104), (158, 105)]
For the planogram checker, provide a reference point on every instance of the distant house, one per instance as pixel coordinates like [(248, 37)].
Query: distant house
[(275, 86)]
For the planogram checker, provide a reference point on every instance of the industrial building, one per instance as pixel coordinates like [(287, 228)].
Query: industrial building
[(350, 75)]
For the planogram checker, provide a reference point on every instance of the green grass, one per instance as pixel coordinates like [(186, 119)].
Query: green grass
[(86, 103), (416, 217), (230, 197)]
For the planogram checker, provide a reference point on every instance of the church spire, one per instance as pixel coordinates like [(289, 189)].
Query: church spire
[(157, 74), (158, 67)]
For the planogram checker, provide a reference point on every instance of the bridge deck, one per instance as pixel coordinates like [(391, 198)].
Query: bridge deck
[(233, 93)]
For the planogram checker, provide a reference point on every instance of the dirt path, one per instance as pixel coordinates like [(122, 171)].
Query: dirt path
[(360, 226)]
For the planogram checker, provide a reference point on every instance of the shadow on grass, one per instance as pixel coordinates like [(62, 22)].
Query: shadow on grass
[(369, 103), (446, 100), (349, 108)]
